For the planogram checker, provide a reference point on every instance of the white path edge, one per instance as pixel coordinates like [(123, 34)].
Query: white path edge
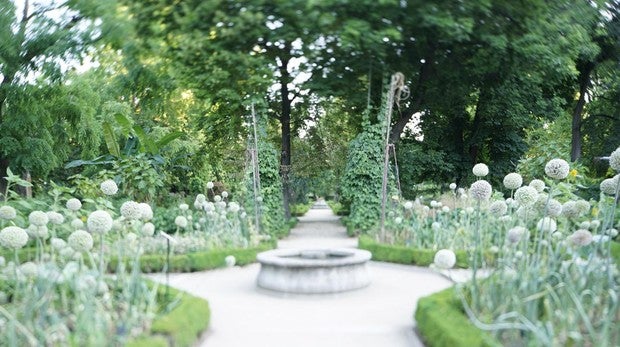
[(379, 315)]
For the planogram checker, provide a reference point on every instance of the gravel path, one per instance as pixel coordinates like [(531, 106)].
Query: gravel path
[(378, 315)]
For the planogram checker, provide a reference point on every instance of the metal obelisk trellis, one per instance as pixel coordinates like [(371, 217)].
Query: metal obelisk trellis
[(255, 173), (396, 84)]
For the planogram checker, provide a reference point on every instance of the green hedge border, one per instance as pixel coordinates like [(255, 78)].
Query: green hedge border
[(442, 323), (180, 327), (198, 261), (405, 255)]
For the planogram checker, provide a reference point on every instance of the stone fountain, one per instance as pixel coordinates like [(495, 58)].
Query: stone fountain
[(318, 271)]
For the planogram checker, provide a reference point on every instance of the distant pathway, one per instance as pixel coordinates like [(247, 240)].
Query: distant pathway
[(379, 315)]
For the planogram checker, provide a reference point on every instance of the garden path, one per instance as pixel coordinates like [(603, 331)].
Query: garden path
[(378, 315)]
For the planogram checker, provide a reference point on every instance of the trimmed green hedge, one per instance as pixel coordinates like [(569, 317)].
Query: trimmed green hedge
[(198, 261), (442, 322), (180, 327), (405, 255)]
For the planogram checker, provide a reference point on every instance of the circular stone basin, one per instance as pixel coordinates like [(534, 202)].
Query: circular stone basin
[(317, 271)]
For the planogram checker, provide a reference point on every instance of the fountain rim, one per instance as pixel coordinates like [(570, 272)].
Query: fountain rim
[(278, 257)]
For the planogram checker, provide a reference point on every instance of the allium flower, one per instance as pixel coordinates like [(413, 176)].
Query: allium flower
[(445, 259), (614, 159), (480, 190), (570, 209), (38, 218), (498, 208), (234, 207), (581, 238), (146, 212), (539, 185), (225, 195), (513, 181), (526, 196), (612, 232), (547, 224), (131, 237), (452, 186), (183, 207), (74, 204), (582, 206), (28, 269), (557, 169), (584, 225), (210, 185), (230, 260), (398, 220), (554, 208), (494, 249), (515, 234), (609, 186), (148, 229), (480, 170), (181, 222), (55, 217), (13, 237), (445, 209), (7, 212), (594, 224), (408, 205), (201, 198), (58, 244), (436, 226), (39, 231), (99, 222), (259, 199), (80, 241), (77, 224), (109, 187), (208, 206), (217, 198), (131, 210)]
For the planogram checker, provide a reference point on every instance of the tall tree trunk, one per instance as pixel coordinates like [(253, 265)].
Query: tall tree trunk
[(584, 82), (285, 122)]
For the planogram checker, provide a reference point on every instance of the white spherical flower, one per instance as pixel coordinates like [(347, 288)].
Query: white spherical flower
[(131, 210), (146, 212), (510, 201), (109, 187), (539, 185), (55, 217), (199, 205), (494, 249), (614, 159), (433, 203), (224, 194), (594, 224), (230, 260), (80, 241), (498, 208), (210, 185), (131, 237), (469, 210), (40, 231), (234, 207), (547, 224), (181, 222), (582, 206), (38, 218), (58, 244), (208, 206), (557, 169), (259, 199), (526, 195), (584, 225), (217, 198), (445, 209), (480, 170), (201, 198), (554, 208), (480, 190), (148, 229), (445, 259), (513, 181), (28, 269), (505, 218), (612, 232), (77, 224), (73, 204), (408, 205), (580, 238), (183, 207), (516, 234), (99, 222), (436, 226), (7, 212), (13, 237), (609, 186), (570, 209), (452, 186), (460, 191), (519, 254), (398, 220)]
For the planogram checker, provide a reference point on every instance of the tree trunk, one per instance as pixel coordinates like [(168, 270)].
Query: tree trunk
[(285, 122), (584, 83)]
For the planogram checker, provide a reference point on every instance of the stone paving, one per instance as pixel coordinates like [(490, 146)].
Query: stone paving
[(378, 315)]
